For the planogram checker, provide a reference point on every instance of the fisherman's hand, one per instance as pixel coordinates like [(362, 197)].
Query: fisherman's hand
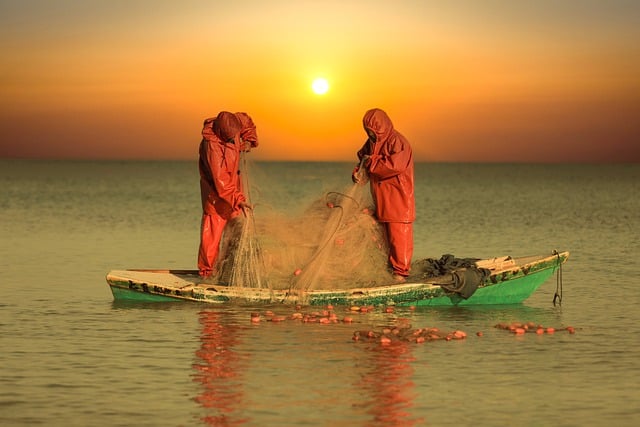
[(359, 176), (246, 208), (356, 175)]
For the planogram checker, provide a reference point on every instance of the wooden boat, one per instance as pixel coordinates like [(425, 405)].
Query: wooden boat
[(511, 281)]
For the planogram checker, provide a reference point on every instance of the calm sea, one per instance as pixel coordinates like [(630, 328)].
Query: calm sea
[(71, 356)]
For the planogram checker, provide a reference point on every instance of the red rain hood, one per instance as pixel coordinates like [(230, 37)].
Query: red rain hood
[(379, 122), (227, 126)]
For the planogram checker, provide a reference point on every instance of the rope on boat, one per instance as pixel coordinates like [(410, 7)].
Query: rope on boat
[(558, 294)]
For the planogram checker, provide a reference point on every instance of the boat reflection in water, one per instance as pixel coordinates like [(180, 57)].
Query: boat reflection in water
[(389, 384), (381, 377), (219, 370)]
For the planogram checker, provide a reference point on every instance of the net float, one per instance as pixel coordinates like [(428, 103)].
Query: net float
[(459, 335)]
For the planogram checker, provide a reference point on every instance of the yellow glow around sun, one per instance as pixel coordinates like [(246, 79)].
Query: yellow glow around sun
[(320, 86)]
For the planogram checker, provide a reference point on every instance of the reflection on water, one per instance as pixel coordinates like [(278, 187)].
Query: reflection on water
[(493, 314), (389, 385), (219, 369)]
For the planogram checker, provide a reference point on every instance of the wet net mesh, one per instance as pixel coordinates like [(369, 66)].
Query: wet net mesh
[(334, 243), (240, 261)]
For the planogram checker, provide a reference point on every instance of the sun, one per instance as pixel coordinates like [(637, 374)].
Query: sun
[(320, 86)]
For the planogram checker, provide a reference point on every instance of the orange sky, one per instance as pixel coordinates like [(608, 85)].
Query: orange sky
[(551, 81)]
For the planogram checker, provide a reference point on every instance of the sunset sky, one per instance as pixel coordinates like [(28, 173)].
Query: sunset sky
[(480, 81)]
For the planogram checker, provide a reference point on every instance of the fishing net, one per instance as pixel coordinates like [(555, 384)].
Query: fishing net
[(241, 258), (335, 242), (240, 261)]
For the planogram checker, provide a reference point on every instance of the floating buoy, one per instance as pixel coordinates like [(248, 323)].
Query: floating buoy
[(347, 319), (330, 205), (519, 331), (385, 340), (297, 272), (479, 333), (459, 335), (550, 330), (571, 329), (540, 331)]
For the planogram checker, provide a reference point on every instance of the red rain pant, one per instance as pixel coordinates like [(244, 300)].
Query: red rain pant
[(400, 236), (210, 235)]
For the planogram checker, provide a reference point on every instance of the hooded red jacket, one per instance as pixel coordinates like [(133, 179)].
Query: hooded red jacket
[(223, 138), (390, 168)]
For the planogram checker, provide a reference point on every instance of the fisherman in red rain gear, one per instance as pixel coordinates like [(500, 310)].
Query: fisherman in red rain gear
[(223, 139), (387, 158)]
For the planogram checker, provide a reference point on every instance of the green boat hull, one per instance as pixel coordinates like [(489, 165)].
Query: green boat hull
[(126, 294), (512, 292), (510, 285)]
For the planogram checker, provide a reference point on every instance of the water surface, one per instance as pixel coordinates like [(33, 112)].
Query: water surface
[(73, 356)]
